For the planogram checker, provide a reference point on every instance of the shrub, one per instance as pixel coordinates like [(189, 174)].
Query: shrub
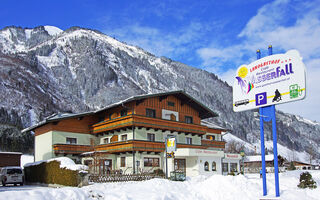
[(158, 172), (306, 180), (51, 173), (232, 174)]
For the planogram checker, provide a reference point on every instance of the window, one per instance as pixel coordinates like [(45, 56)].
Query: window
[(214, 166), (123, 112), (110, 116), (206, 166), (225, 167), (210, 137), (151, 137), (151, 162), (188, 119), (106, 140), (170, 103), (233, 167), (188, 140), (71, 140), (123, 162), (150, 113), (88, 162), (124, 137)]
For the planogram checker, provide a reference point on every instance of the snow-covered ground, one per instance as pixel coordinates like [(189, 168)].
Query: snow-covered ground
[(213, 187)]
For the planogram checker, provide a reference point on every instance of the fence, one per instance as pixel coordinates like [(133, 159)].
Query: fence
[(122, 177)]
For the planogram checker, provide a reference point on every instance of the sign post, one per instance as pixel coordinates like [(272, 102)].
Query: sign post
[(263, 84), (171, 146)]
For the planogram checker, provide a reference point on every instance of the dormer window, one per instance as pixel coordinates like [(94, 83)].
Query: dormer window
[(170, 103)]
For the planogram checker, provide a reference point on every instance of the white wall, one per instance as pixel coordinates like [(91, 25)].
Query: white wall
[(43, 146)]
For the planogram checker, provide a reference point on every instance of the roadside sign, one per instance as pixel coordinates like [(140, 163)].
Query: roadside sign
[(171, 145), (268, 81)]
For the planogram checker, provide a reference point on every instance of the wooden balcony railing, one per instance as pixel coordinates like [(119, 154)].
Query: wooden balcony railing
[(71, 148), (131, 146), (148, 122), (214, 144), (128, 146)]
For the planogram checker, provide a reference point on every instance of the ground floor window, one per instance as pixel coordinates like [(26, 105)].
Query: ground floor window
[(225, 167), (88, 162), (233, 167), (151, 162), (206, 166), (123, 162), (214, 166)]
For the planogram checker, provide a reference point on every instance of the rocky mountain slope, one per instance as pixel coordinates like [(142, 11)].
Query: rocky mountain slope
[(46, 70)]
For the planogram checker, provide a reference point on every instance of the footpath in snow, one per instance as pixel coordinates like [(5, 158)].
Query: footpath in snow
[(216, 187)]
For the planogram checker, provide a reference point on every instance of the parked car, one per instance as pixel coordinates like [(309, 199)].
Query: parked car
[(11, 175)]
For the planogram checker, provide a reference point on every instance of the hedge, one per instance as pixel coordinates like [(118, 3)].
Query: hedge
[(51, 173)]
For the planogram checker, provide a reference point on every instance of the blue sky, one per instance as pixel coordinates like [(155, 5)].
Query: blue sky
[(217, 36)]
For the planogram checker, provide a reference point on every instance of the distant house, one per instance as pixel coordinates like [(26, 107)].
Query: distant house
[(302, 166), (129, 136), (253, 164), (10, 159)]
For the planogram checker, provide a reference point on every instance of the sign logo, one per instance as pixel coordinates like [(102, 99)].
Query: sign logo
[(261, 98), (282, 76), (277, 96), (295, 91)]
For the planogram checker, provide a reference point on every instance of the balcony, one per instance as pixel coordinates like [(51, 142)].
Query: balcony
[(213, 144), (71, 148), (148, 122), (131, 145)]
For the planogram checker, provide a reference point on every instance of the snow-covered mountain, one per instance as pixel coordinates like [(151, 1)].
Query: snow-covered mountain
[(46, 70)]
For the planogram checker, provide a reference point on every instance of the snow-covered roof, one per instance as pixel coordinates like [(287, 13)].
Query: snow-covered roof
[(257, 158), (212, 125), (205, 112), (56, 117), (15, 153)]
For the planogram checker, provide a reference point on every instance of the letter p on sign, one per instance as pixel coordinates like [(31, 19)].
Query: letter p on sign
[(261, 98)]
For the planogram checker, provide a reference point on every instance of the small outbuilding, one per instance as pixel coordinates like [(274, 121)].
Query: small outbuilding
[(10, 159)]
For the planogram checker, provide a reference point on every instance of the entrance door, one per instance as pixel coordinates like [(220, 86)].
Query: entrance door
[(105, 166), (180, 165)]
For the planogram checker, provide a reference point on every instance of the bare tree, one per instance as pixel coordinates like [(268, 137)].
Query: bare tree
[(234, 147), (311, 154)]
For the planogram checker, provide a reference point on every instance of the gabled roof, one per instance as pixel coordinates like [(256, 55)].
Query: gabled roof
[(204, 111)]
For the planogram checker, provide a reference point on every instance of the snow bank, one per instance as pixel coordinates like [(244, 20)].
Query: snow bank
[(217, 187), (65, 162)]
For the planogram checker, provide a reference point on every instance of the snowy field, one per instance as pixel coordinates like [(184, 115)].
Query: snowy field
[(213, 187)]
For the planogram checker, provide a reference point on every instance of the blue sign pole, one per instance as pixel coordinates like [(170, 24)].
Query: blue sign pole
[(274, 136), (263, 160)]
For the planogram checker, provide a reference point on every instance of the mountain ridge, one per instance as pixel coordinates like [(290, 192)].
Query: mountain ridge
[(81, 69)]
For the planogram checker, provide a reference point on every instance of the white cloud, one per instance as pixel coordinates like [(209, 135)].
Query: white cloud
[(161, 42), (286, 25)]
